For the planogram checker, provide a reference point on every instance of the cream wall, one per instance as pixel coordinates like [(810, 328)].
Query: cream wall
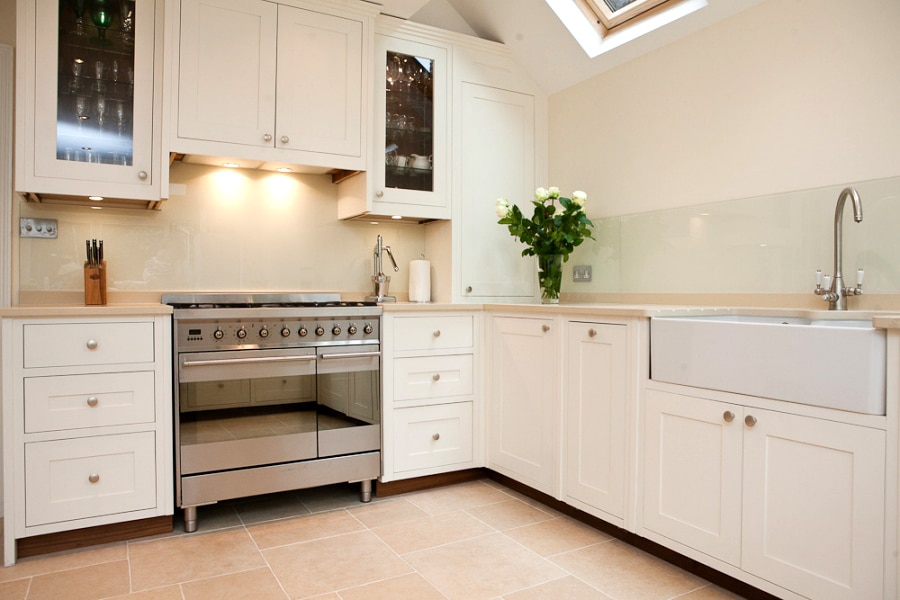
[(788, 95), (220, 230)]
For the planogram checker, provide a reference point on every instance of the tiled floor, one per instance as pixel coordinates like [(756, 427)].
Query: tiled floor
[(467, 541)]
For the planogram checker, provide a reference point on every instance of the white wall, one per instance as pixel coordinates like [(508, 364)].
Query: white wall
[(789, 95)]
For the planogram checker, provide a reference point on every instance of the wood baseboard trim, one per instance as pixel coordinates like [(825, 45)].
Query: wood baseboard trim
[(403, 486), (744, 590), (90, 536)]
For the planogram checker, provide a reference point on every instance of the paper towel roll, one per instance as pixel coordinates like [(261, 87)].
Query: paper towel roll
[(419, 281)]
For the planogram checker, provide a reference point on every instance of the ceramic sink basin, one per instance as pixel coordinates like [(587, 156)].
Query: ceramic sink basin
[(821, 362)]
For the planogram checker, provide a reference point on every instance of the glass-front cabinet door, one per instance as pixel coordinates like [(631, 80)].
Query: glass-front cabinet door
[(411, 162), (89, 71)]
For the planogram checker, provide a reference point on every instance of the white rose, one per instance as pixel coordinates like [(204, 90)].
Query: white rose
[(553, 192), (502, 208), (579, 198), (541, 194)]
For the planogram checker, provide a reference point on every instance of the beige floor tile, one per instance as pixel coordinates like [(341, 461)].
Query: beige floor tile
[(14, 590), (270, 508), (387, 512), (622, 571), (327, 565), (171, 592), (331, 596), (710, 592), (411, 587), (303, 529), (429, 532), (557, 535), (567, 588), (482, 568), (508, 514), (70, 559), (83, 583), (211, 518), (190, 557), (332, 497), (257, 584), (457, 497)]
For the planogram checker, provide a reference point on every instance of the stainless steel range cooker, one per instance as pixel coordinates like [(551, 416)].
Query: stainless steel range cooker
[(274, 392)]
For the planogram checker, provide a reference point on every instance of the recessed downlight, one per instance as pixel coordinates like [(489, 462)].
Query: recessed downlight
[(284, 170), (230, 165)]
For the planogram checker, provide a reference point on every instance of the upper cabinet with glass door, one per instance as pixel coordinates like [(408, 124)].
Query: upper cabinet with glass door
[(410, 168), (88, 122)]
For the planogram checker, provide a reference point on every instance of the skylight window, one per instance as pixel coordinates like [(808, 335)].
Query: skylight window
[(602, 25)]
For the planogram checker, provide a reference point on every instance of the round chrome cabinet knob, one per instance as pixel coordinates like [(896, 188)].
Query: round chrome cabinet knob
[(320, 330), (285, 332), (263, 333), (92, 344), (303, 332), (241, 333), (218, 334), (352, 330), (368, 329)]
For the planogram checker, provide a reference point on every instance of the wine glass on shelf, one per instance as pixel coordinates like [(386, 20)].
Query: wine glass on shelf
[(78, 7), (120, 116), (77, 67), (100, 106), (101, 16), (82, 110), (126, 15)]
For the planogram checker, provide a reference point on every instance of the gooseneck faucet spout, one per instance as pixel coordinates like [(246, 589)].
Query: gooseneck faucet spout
[(834, 292)]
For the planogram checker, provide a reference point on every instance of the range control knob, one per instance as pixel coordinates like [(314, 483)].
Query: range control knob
[(302, 332), (241, 333), (218, 334), (367, 329), (352, 329), (263, 333), (285, 332), (320, 330), (336, 330)]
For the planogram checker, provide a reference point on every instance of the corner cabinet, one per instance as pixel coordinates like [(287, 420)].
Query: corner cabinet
[(88, 101), (87, 423), (410, 164), (272, 84)]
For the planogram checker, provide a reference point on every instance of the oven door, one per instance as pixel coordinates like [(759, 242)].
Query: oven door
[(246, 408), (348, 386)]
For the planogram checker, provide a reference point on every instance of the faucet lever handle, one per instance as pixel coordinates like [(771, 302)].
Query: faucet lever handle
[(860, 273), (818, 279), (827, 282)]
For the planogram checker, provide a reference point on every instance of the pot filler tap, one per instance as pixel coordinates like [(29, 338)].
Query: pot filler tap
[(833, 291), (382, 282)]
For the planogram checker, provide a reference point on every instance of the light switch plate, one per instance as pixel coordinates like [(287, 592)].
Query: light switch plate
[(581, 273), (37, 228)]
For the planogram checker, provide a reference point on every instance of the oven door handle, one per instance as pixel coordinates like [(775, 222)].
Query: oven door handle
[(351, 354), (244, 361)]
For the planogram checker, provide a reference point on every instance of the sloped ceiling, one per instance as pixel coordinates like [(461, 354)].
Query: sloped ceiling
[(540, 42)]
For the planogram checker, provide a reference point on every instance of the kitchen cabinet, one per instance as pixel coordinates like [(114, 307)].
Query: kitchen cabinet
[(523, 410), (595, 424), (87, 423), (432, 402), (410, 164), (88, 102), (793, 500), (273, 84)]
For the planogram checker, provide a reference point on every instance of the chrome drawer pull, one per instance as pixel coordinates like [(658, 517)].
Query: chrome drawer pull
[(592, 332), (92, 401), (750, 420), (436, 377), (436, 437), (437, 333), (93, 477), (545, 328), (91, 344), (728, 416)]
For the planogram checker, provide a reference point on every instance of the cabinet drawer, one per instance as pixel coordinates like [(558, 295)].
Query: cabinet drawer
[(427, 377), (75, 401), (89, 477), (433, 333), (432, 436), (77, 344)]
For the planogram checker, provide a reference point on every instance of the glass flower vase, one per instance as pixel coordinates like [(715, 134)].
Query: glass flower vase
[(550, 277)]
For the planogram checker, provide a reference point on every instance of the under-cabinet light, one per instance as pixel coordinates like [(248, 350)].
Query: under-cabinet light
[(396, 217), (284, 170), (96, 198), (230, 165)]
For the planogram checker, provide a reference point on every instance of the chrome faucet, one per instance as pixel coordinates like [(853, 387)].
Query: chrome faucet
[(834, 291), (382, 282)]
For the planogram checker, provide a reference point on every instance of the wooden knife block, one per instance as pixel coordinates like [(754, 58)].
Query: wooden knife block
[(95, 284)]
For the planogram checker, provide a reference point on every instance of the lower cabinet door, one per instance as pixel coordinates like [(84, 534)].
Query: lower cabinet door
[(432, 436), (89, 477)]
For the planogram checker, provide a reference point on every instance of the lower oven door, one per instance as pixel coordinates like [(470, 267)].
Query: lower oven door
[(245, 408), (349, 399)]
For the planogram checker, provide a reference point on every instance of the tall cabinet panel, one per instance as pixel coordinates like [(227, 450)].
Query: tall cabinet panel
[(88, 99)]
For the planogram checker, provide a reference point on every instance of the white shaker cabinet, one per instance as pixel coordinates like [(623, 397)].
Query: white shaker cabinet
[(272, 83), (87, 423), (792, 500), (523, 408)]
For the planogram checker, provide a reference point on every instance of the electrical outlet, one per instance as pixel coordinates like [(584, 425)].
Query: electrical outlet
[(37, 228), (581, 273)]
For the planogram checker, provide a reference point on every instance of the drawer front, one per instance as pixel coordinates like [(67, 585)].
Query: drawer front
[(89, 477), (85, 344), (432, 436), (433, 332), (432, 377), (76, 401)]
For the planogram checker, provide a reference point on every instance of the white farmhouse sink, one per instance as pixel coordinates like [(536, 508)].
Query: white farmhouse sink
[(832, 363)]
